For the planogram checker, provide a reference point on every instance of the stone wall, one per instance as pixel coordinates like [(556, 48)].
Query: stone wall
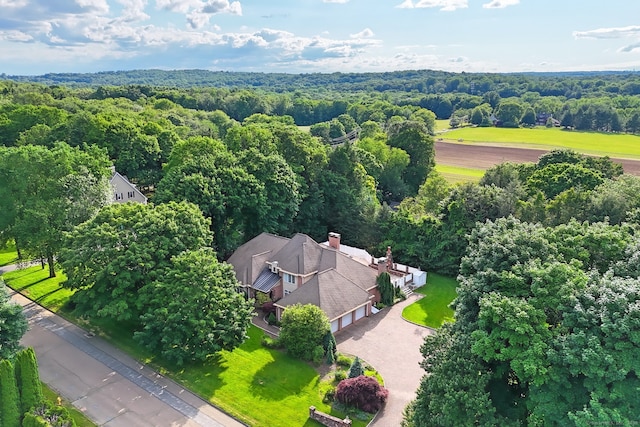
[(328, 420)]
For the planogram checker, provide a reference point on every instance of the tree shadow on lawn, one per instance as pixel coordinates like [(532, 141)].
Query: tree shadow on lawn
[(278, 380)]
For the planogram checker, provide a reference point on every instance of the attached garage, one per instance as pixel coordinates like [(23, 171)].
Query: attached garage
[(347, 319), (335, 325), (361, 312)]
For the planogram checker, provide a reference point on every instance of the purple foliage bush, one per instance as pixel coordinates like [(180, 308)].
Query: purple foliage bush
[(365, 393)]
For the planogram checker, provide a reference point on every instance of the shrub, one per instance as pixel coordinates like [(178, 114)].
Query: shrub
[(340, 375), (329, 395), (53, 415), (344, 361), (269, 308), (26, 371), (329, 340), (271, 319), (385, 287), (355, 370), (303, 328), (364, 393), (269, 342), (331, 354), (9, 396), (318, 354)]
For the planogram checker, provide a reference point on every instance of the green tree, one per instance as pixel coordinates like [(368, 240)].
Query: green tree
[(13, 324), (194, 309), (9, 396), (302, 328), (356, 369), (28, 379), (529, 117), (386, 288), (111, 258), (509, 112), (47, 192), (414, 139)]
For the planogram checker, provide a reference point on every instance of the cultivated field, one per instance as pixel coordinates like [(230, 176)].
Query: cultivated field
[(482, 148)]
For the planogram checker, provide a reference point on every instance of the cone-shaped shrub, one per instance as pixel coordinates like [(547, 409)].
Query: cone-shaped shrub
[(28, 380), (9, 396), (356, 368)]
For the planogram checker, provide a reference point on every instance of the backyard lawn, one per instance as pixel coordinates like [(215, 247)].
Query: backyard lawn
[(259, 386), (8, 254), (433, 310)]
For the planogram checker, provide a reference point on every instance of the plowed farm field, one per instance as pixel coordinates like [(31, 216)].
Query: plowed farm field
[(476, 156)]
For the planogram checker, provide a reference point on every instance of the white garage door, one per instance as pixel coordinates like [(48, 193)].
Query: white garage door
[(360, 313), (347, 319), (334, 325)]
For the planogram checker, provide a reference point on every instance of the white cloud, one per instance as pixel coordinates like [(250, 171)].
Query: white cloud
[(335, 1), (366, 33), (609, 33), (500, 4), (406, 4), (630, 47), (444, 5)]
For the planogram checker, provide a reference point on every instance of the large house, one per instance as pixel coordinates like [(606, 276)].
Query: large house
[(339, 279), (123, 190)]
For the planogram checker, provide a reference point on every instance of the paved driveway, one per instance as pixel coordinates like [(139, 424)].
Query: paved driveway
[(392, 346)]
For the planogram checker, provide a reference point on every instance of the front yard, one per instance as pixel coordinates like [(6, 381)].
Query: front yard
[(433, 309), (259, 386)]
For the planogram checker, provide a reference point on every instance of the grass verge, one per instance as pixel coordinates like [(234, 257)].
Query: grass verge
[(597, 143), (8, 254), (260, 386), (433, 309)]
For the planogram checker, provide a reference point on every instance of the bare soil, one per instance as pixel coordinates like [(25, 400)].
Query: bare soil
[(485, 156)]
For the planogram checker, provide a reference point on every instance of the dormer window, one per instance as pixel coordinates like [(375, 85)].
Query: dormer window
[(289, 278)]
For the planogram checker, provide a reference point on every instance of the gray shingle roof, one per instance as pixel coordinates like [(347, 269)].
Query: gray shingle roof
[(249, 259)]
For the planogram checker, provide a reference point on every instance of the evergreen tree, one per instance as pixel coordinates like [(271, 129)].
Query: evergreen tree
[(330, 356), (9, 397), (356, 368), (26, 372)]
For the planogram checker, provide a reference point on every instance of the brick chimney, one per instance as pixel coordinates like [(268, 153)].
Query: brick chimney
[(334, 241), (389, 259)]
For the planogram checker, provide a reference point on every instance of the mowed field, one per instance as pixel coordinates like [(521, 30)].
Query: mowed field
[(471, 149)]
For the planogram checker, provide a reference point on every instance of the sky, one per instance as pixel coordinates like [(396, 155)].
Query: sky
[(318, 36)]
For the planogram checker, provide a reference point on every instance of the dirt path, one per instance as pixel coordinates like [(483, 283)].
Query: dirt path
[(486, 156)]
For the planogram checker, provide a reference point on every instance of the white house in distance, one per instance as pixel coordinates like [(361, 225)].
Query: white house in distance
[(123, 190)]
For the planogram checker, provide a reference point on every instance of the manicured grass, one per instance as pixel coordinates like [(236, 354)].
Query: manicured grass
[(597, 143), (80, 419), (259, 386), (34, 283), (433, 309), (456, 174), (8, 254)]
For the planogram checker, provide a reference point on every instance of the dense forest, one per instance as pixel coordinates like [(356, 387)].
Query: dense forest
[(244, 153)]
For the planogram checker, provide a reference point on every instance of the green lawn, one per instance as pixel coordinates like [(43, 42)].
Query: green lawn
[(433, 309), (8, 254), (456, 174), (442, 125), (597, 143), (259, 386)]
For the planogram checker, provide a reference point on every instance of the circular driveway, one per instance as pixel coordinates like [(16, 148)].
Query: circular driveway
[(392, 346)]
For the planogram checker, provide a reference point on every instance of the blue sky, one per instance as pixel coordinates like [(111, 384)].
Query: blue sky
[(41, 36)]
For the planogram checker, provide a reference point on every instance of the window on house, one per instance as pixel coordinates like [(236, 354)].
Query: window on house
[(286, 292), (289, 278), (130, 194)]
